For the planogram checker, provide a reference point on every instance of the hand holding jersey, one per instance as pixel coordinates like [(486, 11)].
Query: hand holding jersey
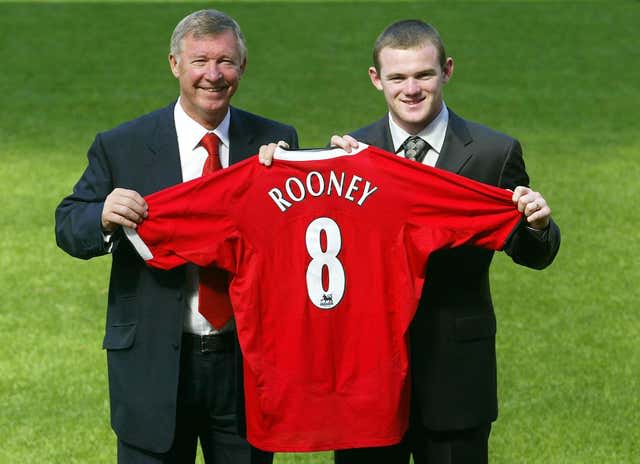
[(533, 206), (123, 207), (265, 155)]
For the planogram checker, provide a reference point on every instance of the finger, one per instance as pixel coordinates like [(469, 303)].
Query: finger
[(354, 143), (127, 213), (341, 142), (131, 206), (127, 223), (112, 220), (532, 202), (261, 154), (283, 144), (529, 201), (530, 208), (128, 197), (540, 218), (518, 192), (265, 154), (335, 141), (138, 199)]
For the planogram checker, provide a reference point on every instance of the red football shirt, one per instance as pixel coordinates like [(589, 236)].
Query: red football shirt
[(328, 254)]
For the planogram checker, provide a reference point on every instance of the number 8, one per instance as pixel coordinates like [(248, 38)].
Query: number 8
[(324, 299)]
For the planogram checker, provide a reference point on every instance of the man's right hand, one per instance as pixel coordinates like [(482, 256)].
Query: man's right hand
[(346, 142), (265, 155), (123, 207)]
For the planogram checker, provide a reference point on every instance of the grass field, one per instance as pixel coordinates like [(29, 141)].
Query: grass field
[(562, 77)]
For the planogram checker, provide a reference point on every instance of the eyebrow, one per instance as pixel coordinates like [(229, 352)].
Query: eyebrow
[(423, 72)]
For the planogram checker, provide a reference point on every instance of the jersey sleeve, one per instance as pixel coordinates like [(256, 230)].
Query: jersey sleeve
[(190, 223), (459, 211)]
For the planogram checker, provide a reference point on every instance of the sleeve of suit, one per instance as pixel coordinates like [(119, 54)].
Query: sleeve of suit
[(78, 216), (528, 247), (293, 141)]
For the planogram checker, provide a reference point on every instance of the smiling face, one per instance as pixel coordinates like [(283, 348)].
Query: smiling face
[(209, 69), (412, 81)]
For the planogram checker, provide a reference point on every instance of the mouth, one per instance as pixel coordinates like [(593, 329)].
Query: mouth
[(413, 101), (216, 89)]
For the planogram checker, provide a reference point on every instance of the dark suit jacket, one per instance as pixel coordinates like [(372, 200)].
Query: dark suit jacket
[(452, 336), (146, 306)]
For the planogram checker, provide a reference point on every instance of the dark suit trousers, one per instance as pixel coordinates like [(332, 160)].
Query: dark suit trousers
[(206, 412), (469, 446)]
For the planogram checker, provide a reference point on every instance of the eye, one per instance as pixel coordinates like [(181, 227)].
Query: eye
[(425, 76)]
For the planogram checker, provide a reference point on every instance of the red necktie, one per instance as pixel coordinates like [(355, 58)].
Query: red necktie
[(213, 291), (211, 142)]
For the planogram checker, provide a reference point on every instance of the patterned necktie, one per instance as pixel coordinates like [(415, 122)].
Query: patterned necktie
[(213, 291), (415, 148)]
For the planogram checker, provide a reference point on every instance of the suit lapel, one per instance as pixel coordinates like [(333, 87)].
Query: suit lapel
[(164, 155), (456, 149), (241, 138), (162, 159), (379, 135)]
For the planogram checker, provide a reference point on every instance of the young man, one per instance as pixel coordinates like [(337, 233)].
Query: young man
[(453, 361), (171, 370)]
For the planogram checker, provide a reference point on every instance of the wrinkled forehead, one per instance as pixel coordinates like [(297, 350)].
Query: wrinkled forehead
[(223, 42)]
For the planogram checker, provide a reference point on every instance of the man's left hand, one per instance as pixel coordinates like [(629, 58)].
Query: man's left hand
[(534, 207)]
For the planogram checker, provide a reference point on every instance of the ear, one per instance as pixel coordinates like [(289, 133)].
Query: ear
[(375, 78), (243, 67), (173, 62), (447, 71)]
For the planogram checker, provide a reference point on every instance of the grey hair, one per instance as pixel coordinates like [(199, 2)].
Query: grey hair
[(204, 23)]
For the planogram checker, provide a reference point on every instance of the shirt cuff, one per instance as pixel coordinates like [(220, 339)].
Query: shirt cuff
[(540, 234), (106, 237)]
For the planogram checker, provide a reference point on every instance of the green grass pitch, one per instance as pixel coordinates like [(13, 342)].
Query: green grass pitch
[(563, 77)]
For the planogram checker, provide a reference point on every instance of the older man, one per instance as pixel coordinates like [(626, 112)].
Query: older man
[(169, 334)]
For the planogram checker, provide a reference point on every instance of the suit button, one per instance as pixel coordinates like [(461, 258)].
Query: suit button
[(175, 346), (179, 296)]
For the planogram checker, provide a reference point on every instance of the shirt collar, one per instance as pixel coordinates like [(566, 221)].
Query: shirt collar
[(433, 133), (191, 132)]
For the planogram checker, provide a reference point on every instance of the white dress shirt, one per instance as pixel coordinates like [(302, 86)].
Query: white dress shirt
[(192, 158), (433, 134)]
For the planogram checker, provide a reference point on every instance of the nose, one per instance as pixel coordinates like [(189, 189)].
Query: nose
[(212, 72), (411, 86)]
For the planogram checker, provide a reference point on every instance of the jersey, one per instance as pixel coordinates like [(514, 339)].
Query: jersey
[(328, 252)]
